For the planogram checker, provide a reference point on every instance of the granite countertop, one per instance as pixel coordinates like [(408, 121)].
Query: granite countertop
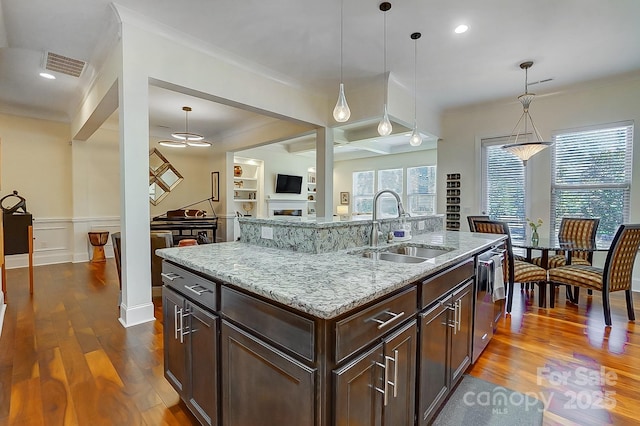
[(323, 285)]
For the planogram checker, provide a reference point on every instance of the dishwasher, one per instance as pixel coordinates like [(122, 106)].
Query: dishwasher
[(486, 311)]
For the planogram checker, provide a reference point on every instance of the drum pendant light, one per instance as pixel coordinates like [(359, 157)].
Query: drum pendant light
[(385, 128)]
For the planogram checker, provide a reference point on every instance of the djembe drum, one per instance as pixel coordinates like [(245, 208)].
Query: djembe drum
[(98, 239)]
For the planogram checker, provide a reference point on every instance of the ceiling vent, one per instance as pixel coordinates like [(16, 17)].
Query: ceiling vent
[(63, 64)]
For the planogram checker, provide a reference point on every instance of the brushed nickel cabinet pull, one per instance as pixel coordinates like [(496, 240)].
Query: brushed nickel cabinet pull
[(382, 324), (171, 276)]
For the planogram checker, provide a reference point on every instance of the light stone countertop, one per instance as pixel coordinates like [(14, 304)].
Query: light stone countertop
[(323, 285)]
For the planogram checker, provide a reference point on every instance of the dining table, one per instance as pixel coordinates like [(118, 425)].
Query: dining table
[(555, 244)]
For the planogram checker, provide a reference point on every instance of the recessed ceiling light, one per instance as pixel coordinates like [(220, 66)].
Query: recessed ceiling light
[(461, 29), (47, 75)]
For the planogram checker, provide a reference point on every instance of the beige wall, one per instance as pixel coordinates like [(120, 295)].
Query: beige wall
[(459, 151), (36, 161)]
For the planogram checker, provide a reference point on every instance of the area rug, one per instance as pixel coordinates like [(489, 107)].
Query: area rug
[(478, 402)]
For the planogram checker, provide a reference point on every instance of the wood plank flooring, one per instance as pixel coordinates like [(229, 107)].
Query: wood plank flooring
[(66, 360)]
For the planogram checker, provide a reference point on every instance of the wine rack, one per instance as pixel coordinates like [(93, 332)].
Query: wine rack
[(453, 202)]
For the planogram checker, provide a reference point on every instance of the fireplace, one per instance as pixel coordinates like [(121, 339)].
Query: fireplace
[(282, 208)]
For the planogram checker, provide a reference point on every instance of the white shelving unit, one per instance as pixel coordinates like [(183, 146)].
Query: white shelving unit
[(311, 193), (246, 186)]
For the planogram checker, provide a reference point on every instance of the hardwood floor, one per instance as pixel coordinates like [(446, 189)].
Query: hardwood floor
[(66, 360)]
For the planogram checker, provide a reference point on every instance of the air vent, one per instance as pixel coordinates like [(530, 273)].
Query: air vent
[(63, 64)]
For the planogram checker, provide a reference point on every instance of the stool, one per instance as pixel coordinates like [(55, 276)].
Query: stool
[(187, 242), (98, 239)]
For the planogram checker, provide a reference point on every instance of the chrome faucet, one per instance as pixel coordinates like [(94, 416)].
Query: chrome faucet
[(373, 241)]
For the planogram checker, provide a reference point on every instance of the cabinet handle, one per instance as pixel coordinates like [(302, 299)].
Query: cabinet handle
[(382, 324), (176, 312), (199, 290), (170, 276), (184, 331), (395, 373), (383, 391), (459, 305)]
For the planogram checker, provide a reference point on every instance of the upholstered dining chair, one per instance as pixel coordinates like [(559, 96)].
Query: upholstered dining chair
[(573, 229), (515, 270), (615, 276), (472, 221)]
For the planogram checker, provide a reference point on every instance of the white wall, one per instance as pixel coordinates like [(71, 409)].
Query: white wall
[(596, 103), (343, 170), (278, 160)]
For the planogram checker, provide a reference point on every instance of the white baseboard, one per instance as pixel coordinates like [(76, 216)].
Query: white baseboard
[(136, 315), (3, 309)]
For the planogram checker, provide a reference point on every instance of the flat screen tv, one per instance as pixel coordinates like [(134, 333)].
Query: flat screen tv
[(287, 184)]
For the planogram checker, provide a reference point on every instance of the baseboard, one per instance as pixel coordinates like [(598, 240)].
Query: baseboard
[(136, 315), (3, 309)]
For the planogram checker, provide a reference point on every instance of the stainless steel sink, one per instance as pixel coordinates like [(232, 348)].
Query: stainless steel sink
[(424, 252), (403, 254), (393, 257)]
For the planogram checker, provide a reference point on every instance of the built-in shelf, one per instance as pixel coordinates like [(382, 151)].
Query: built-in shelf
[(311, 191), (453, 202)]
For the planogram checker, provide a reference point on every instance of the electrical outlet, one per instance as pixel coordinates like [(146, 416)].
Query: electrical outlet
[(421, 225), (266, 232)]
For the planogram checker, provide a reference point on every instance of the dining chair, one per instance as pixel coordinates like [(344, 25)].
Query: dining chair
[(472, 220), (615, 276), (515, 270), (573, 229)]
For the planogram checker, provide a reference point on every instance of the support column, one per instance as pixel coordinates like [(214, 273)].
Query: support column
[(136, 305), (324, 173)]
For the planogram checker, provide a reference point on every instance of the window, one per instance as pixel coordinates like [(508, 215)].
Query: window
[(421, 190), (389, 179), (363, 191), (503, 181), (592, 176)]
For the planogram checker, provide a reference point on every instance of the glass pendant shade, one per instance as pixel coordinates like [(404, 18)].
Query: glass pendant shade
[(341, 112), (416, 138), (526, 150), (385, 128)]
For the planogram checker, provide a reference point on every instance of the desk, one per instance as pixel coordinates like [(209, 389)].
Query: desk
[(546, 244)]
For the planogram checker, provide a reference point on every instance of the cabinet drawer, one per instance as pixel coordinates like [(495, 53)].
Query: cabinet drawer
[(356, 331), (280, 326), (433, 288), (192, 286)]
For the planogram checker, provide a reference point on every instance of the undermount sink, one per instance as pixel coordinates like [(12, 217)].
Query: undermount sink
[(392, 257), (428, 253), (404, 254)]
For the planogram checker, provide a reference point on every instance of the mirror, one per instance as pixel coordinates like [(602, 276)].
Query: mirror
[(163, 177)]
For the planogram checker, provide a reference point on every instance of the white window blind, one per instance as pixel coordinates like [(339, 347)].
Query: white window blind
[(592, 175), (421, 190), (363, 191), (389, 179), (503, 185)]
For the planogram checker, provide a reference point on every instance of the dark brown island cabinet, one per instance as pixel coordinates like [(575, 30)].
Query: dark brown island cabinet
[(239, 359)]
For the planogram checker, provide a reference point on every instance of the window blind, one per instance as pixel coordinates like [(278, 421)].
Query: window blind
[(503, 180), (592, 175)]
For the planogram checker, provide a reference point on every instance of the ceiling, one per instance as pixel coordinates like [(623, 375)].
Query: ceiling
[(298, 41)]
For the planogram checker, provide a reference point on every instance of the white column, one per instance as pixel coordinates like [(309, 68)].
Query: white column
[(324, 173), (136, 306)]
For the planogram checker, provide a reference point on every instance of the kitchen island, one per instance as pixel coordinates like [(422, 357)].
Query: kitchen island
[(257, 335)]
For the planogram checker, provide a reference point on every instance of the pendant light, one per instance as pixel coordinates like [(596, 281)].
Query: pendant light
[(385, 128), (185, 138), (341, 112), (416, 138), (525, 149)]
